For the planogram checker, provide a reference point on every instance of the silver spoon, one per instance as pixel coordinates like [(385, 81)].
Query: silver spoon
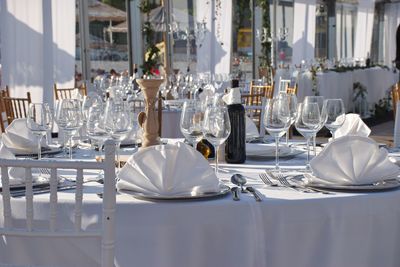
[(239, 180)]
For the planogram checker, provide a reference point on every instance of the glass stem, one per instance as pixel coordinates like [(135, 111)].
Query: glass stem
[(308, 154), (277, 153), (216, 149), (70, 146), (39, 147), (287, 136), (314, 144)]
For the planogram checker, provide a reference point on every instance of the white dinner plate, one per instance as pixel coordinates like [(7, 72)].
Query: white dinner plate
[(266, 151), (223, 190)]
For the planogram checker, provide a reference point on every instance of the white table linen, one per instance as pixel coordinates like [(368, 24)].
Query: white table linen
[(288, 228)]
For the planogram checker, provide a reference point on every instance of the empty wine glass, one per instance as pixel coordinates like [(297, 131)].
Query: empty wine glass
[(95, 126), (320, 101), (118, 122), (277, 121), (39, 121), (307, 123), (69, 119), (334, 111), (90, 100), (292, 102), (216, 128), (192, 121)]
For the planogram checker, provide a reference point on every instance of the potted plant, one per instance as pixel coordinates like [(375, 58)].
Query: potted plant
[(265, 68)]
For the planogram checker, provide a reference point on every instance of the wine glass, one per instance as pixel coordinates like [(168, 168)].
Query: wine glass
[(90, 100), (320, 101), (292, 102), (69, 119), (216, 128), (277, 121), (307, 123), (118, 122), (95, 126), (39, 121), (191, 122), (334, 111)]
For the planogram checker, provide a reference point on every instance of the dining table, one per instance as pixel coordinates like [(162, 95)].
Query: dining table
[(288, 227)]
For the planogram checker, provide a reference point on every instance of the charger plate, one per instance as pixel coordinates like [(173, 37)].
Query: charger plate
[(223, 190), (378, 186)]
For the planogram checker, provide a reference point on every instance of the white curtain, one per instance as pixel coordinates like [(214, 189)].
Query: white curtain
[(303, 30), (365, 23), (345, 28), (37, 46), (391, 22), (214, 53)]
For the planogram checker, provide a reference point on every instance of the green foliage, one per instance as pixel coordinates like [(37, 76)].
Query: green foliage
[(265, 58), (151, 50), (382, 108)]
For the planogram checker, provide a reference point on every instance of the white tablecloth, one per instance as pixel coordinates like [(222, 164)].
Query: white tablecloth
[(170, 124), (287, 228)]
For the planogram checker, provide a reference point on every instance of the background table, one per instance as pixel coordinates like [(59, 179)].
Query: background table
[(287, 228)]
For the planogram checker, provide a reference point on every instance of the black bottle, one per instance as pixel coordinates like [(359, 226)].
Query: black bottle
[(206, 148), (235, 83), (235, 147)]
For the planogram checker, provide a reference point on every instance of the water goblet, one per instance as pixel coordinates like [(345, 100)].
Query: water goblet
[(39, 121), (277, 121), (334, 111), (216, 128), (307, 123), (320, 101), (191, 122)]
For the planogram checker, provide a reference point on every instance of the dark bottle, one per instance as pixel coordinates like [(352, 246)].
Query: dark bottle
[(235, 83), (235, 147)]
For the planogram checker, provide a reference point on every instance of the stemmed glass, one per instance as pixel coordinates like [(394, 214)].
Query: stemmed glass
[(118, 122), (307, 123), (277, 121), (334, 111), (216, 128), (90, 100), (95, 126), (192, 121), (39, 121), (320, 101), (69, 119), (292, 102)]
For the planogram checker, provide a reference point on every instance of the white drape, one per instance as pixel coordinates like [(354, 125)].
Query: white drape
[(392, 20), (37, 46), (214, 53), (303, 30), (344, 30), (365, 23)]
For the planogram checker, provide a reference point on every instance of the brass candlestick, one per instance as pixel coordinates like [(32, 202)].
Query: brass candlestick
[(148, 120)]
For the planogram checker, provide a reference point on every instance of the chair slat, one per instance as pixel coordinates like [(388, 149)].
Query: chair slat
[(78, 200), (6, 197), (53, 199), (29, 199)]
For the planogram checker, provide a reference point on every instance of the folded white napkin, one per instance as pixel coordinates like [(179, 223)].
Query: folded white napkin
[(251, 129), (352, 160), (16, 175), (353, 125), (19, 139), (168, 170)]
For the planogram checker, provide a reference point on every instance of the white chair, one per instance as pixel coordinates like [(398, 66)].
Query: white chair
[(106, 231)]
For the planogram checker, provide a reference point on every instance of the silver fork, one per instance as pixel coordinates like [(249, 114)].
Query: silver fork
[(266, 180), (282, 179)]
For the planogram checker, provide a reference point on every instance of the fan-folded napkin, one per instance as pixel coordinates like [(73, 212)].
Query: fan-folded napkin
[(168, 170), (251, 129), (352, 160), (19, 139), (16, 175), (353, 125)]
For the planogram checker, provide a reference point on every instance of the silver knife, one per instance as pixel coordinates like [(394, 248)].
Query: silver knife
[(254, 192)]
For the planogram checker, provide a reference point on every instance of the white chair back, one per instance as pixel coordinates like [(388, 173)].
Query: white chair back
[(106, 231)]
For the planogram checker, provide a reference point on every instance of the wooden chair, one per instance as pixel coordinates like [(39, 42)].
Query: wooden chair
[(256, 114), (66, 93), (263, 89), (15, 107), (3, 118), (28, 228), (292, 90), (395, 97)]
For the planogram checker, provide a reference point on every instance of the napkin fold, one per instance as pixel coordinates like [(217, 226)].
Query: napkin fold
[(251, 129), (168, 170), (16, 175), (19, 139), (352, 160), (353, 125)]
